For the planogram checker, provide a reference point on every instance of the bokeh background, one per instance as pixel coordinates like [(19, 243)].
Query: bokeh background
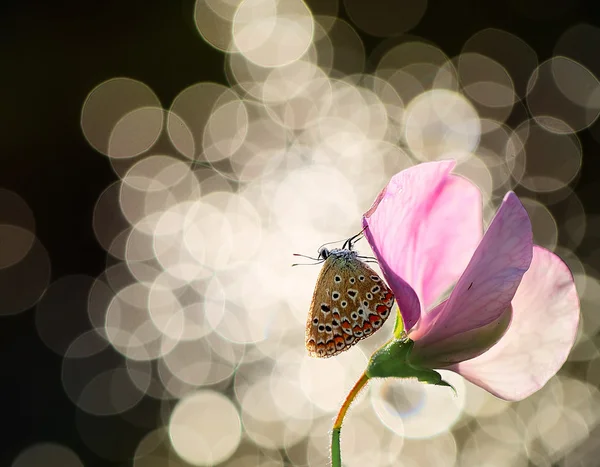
[(161, 162)]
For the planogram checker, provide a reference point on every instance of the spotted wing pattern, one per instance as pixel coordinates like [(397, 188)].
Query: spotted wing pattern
[(350, 303)]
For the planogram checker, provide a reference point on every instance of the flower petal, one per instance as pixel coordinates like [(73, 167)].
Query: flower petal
[(463, 346), (538, 341), (489, 283), (423, 228)]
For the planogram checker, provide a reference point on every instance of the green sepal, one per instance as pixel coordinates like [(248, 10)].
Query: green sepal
[(399, 326), (392, 361)]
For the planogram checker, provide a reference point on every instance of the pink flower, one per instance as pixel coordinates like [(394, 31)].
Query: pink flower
[(511, 315)]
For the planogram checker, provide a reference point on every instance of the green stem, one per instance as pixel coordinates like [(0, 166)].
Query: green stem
[(336, 454)]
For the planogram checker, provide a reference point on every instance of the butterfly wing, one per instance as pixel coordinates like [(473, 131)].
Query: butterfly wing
[(350, 302)]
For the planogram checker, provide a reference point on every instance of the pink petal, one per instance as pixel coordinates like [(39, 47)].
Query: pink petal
[(423, 228), (490, 281), (538, 341), (460, 347)]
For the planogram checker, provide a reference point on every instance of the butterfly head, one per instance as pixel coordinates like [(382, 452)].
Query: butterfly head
[(345, 253)]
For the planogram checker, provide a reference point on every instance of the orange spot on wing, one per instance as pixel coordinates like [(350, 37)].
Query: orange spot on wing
[(373, 318)]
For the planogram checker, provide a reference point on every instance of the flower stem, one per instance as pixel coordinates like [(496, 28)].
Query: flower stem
[(336, 454)]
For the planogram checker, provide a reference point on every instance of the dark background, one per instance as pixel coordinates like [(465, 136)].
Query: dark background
[(51, 55)]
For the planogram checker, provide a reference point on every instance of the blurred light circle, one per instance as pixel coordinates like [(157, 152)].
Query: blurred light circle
[(545, 229), (546, 161), (189, 113), (202, 362), (156, 173), (269, 419), (263, 148), (480, 403), (439, 122), (497, 151), (425, 411), (430, 452), (94, 379), (15, 211), (205, 428), (108, 220), (580, 44), (167, 313), (411, 51), (406, 86), (225, 130), (487, 84), (327, 381), (111, 101), (564, 435), (135, 132), (575, 224), (516, 56), (206, 233), (213, 20), (17, 228), (271, 33), (474, 169), (507, 427), (565, 90), (482, 449), (383, 18), (153, 451), (47, 455), (128, 326), (299, 201), (284, 83), (16, 243), (347, 48), (23, 284), (362, 439)]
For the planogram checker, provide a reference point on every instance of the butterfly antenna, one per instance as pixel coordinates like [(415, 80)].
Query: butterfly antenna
[(354, 239), (367, 257), (307, 257), (306, 264)]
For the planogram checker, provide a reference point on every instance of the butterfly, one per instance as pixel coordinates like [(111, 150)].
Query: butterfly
[(350, 302)]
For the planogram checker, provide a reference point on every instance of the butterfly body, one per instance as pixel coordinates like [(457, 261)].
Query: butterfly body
[(350, 302)]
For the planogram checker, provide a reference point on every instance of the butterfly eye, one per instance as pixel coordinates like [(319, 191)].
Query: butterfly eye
[(323, 253)]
